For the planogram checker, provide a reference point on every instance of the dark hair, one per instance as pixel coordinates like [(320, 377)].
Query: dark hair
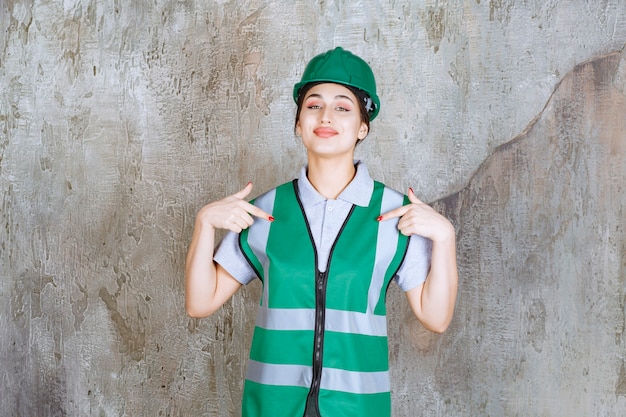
[(361, 96)]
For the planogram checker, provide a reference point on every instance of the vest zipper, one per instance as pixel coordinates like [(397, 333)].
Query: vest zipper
[(312, 406)]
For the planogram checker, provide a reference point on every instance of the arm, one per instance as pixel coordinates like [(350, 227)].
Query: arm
[(433, 301), (207, 285)]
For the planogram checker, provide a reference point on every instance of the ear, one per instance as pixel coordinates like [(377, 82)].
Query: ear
[(363, 131), (298, 129)]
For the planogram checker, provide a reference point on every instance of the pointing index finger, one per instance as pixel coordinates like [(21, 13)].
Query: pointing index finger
[(257, 212), (392, 214)]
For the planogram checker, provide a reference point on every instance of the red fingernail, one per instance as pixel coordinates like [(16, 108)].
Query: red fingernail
[(379, 218), (249, 182), (270, 218), (411, 190)]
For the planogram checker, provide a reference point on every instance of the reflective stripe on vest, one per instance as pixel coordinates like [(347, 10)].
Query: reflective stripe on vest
[(354, 369)]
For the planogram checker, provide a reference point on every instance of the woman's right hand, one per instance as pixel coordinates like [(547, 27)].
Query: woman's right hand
[(232, 213), (207, 285)]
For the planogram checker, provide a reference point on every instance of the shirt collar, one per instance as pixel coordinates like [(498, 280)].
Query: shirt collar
[(358, 192)]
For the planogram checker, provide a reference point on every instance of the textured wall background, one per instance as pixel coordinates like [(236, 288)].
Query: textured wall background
[(119, 120)]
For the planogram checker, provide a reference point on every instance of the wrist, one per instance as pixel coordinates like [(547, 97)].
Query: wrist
[(203, 225), (445, 235)]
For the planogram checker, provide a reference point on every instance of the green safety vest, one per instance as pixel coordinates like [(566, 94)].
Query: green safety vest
[(320, 342)]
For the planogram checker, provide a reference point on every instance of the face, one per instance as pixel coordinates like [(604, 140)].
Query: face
[(330, 120)]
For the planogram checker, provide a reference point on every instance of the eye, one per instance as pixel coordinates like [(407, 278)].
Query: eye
[(313, 104), (343, 106)]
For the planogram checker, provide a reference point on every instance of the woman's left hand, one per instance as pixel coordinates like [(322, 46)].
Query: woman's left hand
[(418, 218), (433, 301)]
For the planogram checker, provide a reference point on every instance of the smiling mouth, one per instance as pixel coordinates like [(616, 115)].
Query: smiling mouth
[(325, 132)]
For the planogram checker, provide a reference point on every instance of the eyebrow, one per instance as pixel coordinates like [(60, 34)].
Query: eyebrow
[(339, 96)]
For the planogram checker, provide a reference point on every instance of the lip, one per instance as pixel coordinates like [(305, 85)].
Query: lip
[(325, 132)]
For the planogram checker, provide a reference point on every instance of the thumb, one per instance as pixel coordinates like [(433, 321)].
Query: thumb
[(413, 198), (243, 193)]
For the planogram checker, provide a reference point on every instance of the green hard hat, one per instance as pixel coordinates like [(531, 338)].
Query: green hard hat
[(341, 67)]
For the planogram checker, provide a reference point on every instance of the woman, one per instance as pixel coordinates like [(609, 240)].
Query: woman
[(326, 247)]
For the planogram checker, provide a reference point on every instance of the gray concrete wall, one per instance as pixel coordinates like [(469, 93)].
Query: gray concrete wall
[(119, 120)]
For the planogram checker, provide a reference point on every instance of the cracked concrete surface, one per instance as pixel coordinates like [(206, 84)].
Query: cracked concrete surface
[(119, 120)]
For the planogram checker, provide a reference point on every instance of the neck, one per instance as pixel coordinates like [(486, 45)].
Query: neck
[(330, 176)]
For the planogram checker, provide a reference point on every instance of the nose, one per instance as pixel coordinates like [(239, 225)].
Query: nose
[(326, 116)]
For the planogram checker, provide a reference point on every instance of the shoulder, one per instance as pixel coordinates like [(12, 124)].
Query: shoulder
[(378, 184), (281, 195), (390, 198), (269, 195)]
